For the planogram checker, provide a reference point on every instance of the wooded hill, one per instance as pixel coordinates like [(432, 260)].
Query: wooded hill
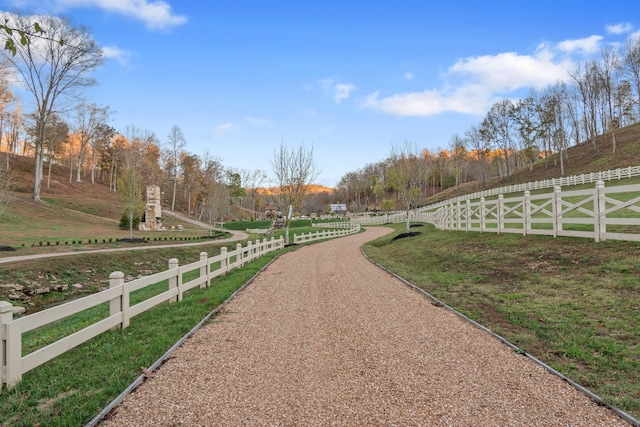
[(579, 159)]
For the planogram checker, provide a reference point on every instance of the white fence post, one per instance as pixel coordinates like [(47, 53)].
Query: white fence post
[(249, 252), (10, 346), (204, 271), (526, 213), (483, 218), (224, 262), (240, 255), (174, 282), (500, 213), (599, 209), (467, 215), (557, 210), (121, 303)]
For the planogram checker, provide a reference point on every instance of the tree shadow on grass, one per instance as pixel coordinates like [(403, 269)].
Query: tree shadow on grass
[(403, 235)]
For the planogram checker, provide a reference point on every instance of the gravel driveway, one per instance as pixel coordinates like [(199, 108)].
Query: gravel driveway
[(324, 338)]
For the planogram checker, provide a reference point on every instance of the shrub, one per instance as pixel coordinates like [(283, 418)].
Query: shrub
[(125, 222)]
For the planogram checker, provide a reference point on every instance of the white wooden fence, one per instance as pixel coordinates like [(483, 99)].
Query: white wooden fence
[(14, 364), (344, 229), (598, 213)]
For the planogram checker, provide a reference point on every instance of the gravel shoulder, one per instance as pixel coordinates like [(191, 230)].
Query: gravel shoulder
[(323, 337)]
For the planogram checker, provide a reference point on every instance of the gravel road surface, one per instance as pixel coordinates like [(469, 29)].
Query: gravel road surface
[(323, 337)]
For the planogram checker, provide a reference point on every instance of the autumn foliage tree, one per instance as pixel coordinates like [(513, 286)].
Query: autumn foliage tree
[(49, 68)]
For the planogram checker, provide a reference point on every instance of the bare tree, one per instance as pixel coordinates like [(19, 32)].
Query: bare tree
[(89, 119), (252, 181), (631, 68), (5, 187), (190, 166), (499, 127), (131, 183), (405, 175), (587, 83), (608, 71), (177, 142), (52, 67), (479, 148), (458, 154), (294, 171), (209, 191), (56, 134)]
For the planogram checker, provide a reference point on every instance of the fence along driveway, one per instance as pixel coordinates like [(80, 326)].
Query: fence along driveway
[(599, 213), (200, 273)]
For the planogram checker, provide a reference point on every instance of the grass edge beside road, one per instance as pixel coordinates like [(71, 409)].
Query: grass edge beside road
[(572, 303)]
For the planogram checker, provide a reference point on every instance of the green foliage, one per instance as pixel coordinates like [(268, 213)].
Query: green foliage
[(125, 221), (25, 36)]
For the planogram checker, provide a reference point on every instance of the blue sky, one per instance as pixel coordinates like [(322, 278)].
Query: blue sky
[(349, 78)]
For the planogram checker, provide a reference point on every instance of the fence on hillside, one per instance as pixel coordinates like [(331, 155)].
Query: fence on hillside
[(120, 311), (565, 181)]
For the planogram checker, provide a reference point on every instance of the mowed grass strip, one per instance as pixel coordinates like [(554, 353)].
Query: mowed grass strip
[(572, 303), (72, 388)]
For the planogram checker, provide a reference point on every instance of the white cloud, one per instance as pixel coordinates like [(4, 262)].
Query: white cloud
[(407, 76), (114, 52), (220, 130), (342, 91), (472, 84), (338, 91), (510, 71), (588, 45), (156, 14), (621, 28)]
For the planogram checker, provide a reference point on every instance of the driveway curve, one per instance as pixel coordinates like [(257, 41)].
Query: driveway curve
[(322, 337)]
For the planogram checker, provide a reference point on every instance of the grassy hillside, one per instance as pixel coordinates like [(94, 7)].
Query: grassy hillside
[(72, 212)]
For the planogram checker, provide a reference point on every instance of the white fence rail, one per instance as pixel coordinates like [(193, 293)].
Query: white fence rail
[(345, 230), (587, 178), (13, 364), (599, 213)]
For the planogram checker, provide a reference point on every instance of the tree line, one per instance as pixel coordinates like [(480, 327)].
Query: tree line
[(598, 97)]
